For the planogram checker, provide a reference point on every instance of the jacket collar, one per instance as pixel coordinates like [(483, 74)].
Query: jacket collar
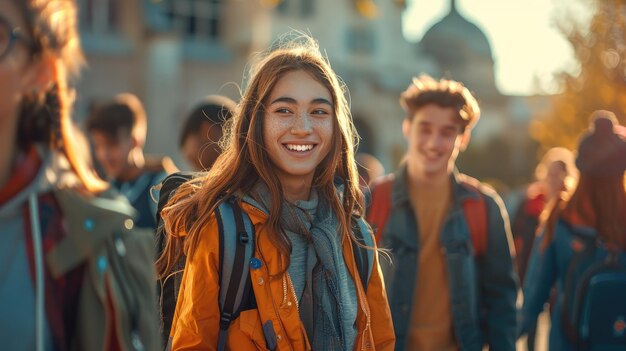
[(24, 172), (461, 191), (90, 221)]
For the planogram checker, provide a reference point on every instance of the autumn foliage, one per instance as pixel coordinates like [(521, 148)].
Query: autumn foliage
[(600, 49)]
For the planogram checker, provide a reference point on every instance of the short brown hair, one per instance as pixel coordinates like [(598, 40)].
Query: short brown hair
[(425, 90), (125, 112)]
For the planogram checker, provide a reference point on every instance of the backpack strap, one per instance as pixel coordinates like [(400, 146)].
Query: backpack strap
[(236, 238), (380, 208), (169, 287), (364, 257), (475, 210), (167, 187), (573, 280)]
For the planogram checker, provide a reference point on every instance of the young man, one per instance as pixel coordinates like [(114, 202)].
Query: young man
[(202, 131), (118, 133), (444, 293)]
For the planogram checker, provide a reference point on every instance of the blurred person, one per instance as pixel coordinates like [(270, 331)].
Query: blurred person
[(452, 285), (203, 129), (117, 130), (289, 166), (580, 237), (62, 285), (555, 173), (369, 168), (200, 144)]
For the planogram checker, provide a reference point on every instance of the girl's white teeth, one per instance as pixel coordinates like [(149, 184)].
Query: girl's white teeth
[(294, 147)]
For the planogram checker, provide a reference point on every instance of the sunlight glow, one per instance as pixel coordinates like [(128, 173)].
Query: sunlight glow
[(526, 43)]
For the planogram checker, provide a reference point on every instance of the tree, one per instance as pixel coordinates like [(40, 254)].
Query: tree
[(600, 49)]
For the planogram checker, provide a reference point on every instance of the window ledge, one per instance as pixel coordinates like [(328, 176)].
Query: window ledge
[(105, 43), (207, 50)]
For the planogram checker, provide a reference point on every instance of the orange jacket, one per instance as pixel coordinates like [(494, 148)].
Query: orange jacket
[(196, 320)]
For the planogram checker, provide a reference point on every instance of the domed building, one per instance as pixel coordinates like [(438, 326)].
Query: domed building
[(462, 52)]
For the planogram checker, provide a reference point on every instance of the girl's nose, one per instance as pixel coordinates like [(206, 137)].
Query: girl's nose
[(302, 124)]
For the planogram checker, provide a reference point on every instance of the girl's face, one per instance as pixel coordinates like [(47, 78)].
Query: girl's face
[(19, 75), (298, 126), (555, 177)]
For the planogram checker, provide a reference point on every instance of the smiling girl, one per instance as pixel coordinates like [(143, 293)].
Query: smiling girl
[(289, 164)]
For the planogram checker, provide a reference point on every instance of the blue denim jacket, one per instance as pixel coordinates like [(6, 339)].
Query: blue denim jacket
[(546, 269), (483, 290)]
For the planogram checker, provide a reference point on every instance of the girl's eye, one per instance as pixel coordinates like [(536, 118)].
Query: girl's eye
[(447, 134), (319, 112), (282, 110)]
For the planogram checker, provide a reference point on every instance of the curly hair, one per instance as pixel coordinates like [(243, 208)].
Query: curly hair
[(425, 90)]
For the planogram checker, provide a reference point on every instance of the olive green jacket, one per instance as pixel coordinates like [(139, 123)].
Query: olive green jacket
[(118, 289)]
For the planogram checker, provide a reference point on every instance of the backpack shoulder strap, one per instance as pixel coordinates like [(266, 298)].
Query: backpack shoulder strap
[(167, 187), (364, 257), (378, 213), (475, 210), (236, 238), (575, 280)]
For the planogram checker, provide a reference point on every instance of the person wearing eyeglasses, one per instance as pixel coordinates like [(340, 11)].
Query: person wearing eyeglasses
[(74, 273)]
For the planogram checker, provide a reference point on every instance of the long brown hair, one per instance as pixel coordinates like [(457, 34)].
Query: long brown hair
[(45, 118), (245, 160), (597, 202)]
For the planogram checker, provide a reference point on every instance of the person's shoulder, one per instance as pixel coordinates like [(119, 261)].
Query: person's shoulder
[(475, 185), (483, 189), (108, 207), (90, 220), (161, 165), (381, 181)]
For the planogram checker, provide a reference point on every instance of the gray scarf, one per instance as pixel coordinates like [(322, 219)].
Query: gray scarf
[(334, 293), (318, 267)]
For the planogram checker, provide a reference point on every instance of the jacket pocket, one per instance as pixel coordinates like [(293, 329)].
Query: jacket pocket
[(246, 332)]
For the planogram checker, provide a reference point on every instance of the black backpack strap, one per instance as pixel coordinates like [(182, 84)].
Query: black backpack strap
[(168, 187), (168, 289), (236, 237), (569, 312), (364, 257)]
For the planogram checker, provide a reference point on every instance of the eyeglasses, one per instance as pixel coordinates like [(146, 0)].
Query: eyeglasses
[(9, 35)]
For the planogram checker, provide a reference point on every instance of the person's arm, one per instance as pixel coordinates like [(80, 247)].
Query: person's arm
[(540, 278), (196, 320), (380, 315), (500, 284)]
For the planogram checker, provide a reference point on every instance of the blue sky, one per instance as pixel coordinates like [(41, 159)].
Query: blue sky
[(527, 46)]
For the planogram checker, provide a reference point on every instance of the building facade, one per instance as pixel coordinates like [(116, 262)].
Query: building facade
[(171, 53)]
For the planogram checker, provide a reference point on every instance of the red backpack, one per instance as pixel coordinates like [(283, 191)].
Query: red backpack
[(475, 211)]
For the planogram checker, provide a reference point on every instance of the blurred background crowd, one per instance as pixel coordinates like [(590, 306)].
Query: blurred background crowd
[(171, 54)]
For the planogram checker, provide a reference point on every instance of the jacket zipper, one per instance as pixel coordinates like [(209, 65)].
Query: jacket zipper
[(363, 305), (276, 312), (367, 318), (286, 278), (127, 296), (39, 271)]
